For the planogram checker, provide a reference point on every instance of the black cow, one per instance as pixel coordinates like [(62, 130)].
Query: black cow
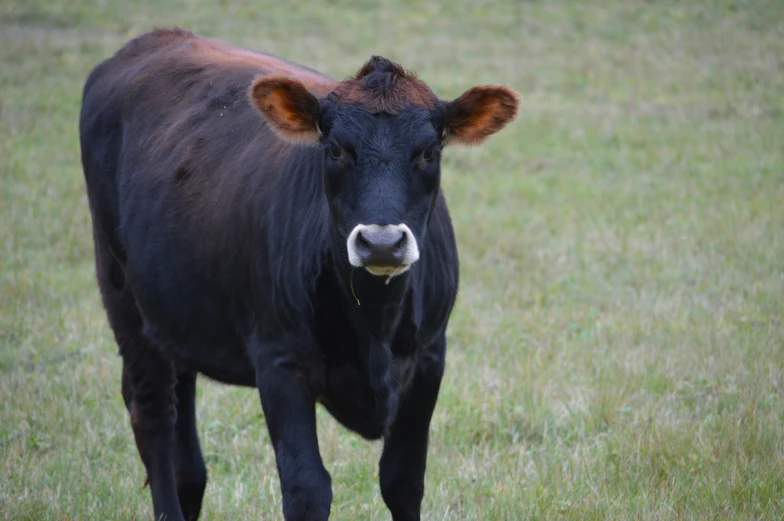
[(263, 225)]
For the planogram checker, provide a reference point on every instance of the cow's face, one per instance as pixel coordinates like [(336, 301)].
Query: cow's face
[(381, 134)]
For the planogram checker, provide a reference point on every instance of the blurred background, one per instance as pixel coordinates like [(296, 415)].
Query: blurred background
[(617, 351)]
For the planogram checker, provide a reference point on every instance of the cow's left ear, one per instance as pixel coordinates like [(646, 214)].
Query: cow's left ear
[(479, 113), (290, 109)]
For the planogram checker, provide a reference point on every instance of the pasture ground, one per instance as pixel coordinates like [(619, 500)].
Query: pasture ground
[(618, 347)]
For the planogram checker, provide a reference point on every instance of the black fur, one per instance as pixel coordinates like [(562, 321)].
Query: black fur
[(221, 250)]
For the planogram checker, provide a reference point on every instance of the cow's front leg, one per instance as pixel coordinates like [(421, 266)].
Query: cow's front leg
[(403, 460), (290, 413)]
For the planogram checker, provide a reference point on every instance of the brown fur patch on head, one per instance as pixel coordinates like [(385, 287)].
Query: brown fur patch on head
[(287, 106), (479, 113), (165, 36), (383, 86)]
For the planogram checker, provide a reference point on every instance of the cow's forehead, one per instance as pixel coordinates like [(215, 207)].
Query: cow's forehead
[(408, 127)]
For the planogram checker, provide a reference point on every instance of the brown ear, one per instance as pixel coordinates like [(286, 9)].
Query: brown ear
[(287, 106), (479, 113)]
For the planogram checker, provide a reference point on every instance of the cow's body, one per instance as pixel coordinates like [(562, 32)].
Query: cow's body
[(217, 253)]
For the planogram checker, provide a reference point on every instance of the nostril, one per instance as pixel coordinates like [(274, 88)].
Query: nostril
[(362, 242), (401, 243), (362, 246)]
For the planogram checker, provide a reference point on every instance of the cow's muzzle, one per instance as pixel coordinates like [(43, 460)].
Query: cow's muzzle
[(387, 250)]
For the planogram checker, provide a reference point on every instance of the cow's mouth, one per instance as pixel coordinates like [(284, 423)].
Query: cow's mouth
[(387, 271)]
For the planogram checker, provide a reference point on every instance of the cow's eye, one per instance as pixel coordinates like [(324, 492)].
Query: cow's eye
[(334, 152), (428, 155)]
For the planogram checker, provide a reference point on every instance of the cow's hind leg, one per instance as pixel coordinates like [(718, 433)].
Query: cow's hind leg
[(189, 469), (148, 386), (153, 413)]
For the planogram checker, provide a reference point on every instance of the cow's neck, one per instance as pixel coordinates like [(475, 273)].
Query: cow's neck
[(379, 316), (376, 307), (375, 301)]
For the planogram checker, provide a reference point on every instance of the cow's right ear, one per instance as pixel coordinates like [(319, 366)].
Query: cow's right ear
[(290, 109), (479, 113)]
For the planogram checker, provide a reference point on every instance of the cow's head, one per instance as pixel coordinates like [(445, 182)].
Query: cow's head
[(381, 134)]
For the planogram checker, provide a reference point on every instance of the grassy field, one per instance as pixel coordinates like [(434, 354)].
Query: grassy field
[(618, 347)]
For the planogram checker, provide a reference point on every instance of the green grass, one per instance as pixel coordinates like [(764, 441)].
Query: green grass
[(617, 351)]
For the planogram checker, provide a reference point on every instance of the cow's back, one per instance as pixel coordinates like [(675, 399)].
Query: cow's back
[(172, 110)]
